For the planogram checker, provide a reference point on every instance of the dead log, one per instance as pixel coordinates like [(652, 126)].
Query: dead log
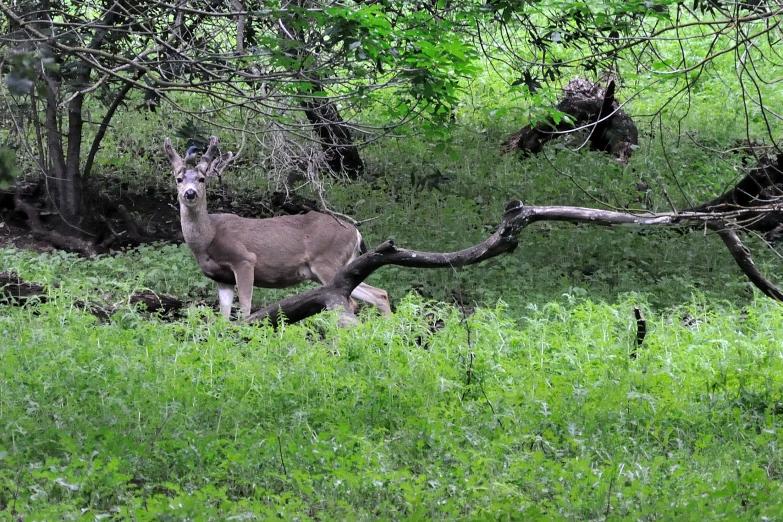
[(762, 189), (517, 216), (589, 106), (14, 290)]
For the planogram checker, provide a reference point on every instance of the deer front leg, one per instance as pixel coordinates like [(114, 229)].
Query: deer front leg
[(245, 274), (226, 298)]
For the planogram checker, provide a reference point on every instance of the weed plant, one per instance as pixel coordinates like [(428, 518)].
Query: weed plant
[(486, 418)]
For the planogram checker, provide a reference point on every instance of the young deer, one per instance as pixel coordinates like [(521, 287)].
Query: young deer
[(269, 253)]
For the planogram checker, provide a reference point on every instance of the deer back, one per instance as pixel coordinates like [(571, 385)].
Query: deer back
[(288, 249)]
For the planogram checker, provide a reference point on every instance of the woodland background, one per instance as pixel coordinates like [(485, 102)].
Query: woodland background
[(516, 389)]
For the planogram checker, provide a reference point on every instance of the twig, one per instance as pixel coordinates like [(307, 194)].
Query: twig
[(641, 330), (469, 372), (669, 199), (282, 459), (609, 495), (492, 408), (363, 221)]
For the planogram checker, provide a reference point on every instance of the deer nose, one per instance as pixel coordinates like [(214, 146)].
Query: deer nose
[(190, 194)]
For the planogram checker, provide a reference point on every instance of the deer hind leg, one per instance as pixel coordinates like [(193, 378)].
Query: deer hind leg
[(374, 296), (324, 274), (244, 273), (363, 292), (226, 298)]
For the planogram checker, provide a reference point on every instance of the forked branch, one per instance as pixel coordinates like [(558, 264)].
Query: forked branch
[(505, 239)]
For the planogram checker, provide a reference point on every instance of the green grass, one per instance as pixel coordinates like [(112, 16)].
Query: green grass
[(202, 420), (529, 409)]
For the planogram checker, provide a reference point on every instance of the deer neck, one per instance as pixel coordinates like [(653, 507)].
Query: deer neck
[(197, 228)]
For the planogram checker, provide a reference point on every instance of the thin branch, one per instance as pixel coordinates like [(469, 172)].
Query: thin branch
[(104, 126)]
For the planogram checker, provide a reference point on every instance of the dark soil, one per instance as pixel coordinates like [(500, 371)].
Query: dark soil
[(133, 218)]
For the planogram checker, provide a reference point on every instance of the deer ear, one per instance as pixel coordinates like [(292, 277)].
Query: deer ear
[(176, 161), (219, 164)]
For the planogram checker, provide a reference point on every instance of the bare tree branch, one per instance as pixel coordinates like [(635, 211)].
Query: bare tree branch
[(336, 296)]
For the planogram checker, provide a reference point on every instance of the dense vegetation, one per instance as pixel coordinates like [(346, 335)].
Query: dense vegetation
[(545, 418), (511, 390), (522, 410)]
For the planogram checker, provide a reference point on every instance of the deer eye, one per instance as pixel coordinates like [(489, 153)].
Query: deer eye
[(179, 180), (202, 180)]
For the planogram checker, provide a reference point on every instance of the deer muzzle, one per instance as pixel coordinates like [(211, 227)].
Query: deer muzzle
[(190, 194)]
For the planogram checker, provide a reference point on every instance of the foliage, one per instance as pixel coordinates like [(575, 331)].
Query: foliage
[(482, 419), (261, 69), (9, 170)]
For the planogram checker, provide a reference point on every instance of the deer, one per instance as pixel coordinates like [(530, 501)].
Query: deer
[(275, 252)]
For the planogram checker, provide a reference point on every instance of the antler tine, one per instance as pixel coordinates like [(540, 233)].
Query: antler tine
[(206, 159), (174, 157)]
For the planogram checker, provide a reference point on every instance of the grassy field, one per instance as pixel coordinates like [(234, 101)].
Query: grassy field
[(486, 418), (524, 405)]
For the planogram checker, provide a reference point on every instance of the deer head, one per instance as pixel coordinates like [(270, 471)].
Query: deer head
[(191, 182)]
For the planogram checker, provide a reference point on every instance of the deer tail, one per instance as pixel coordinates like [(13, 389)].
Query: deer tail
[(362, 246)]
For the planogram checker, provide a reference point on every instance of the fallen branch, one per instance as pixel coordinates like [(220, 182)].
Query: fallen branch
[(16, 291), (741, 255), (517, 216)]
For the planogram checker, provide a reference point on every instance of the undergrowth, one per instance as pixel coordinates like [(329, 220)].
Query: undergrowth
[(484, 418)]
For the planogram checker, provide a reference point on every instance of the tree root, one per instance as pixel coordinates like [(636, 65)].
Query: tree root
[(56, 239), (132, 236)]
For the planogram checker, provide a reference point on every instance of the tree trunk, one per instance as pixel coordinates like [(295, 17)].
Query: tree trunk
[(342, 155), (335, 137), (63, 178), (71, 198)]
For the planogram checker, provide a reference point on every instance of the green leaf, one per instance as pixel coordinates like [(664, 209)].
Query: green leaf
[(9, 170)]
